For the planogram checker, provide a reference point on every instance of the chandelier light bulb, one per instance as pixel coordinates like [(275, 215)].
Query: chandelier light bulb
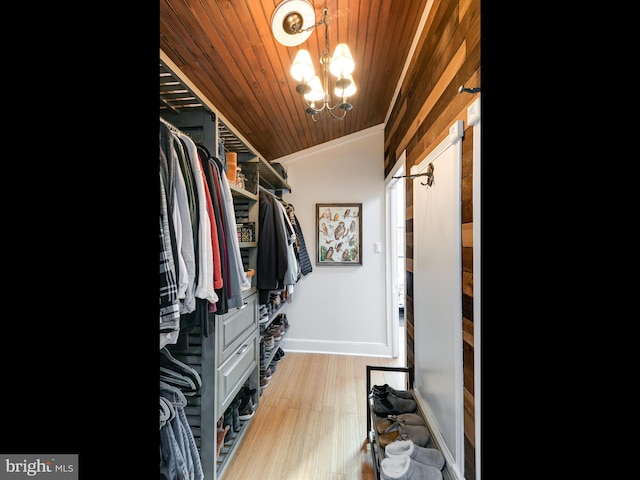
[(342, 62), (345, 87), (302, 68), (317, 93)]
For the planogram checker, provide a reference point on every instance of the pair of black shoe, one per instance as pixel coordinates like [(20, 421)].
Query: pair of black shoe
[(246, 408), (389, 401), (232, 418), (241, 408)]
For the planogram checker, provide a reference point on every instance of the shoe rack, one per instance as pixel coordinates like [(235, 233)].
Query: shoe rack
[(271, 316), (377, 451)]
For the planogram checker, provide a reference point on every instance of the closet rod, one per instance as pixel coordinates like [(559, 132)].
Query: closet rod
[(172, 127), (264, 189)]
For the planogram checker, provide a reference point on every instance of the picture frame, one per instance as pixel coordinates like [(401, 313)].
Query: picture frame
[(338, 234)]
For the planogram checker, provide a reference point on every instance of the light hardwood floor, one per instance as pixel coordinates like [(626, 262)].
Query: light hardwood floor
[(312, 420)]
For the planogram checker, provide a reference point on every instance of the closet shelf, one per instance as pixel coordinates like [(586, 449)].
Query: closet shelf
[(176, 98), (281, 309), (228, 448), (271, 179), (241, 192)]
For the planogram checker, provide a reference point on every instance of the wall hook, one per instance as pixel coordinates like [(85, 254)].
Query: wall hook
[(429, 174), (468, 90)]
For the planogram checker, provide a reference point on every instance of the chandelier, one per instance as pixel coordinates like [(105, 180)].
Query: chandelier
[(288, 26)]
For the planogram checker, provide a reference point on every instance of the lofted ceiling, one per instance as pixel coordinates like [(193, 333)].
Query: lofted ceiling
[(228, 52)]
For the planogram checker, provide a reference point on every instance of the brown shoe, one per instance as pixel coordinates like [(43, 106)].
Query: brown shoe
[(386, 424), (392, 421), (388, 437), (220, 434)]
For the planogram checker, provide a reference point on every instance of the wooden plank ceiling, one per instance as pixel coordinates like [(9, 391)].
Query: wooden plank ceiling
[(227, 50)]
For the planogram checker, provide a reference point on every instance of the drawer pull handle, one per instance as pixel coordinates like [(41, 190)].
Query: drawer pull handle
[(243, 349), (244, 305)]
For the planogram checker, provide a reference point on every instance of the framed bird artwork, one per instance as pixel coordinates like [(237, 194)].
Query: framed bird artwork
[(338, 233)]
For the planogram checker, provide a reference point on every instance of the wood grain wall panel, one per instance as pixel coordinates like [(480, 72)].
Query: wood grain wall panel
[(469, 459), (467, 151), (467, 330), (467, 372), (416, 83), (470, 21), (467, 307), (447, 56), (467, 259), (466, 202), (467, 283), (469, 426), (467, 337), (408, 248), (395, 149), (464, 6), (408, 315), (467, 234)]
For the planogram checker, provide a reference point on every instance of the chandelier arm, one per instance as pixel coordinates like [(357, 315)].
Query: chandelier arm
[(337, 117), (321, 113), (331, 109)]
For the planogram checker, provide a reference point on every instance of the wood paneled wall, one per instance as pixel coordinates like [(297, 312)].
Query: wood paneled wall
[(447, 56)]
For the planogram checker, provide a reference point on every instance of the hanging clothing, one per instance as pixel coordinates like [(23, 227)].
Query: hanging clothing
[(272, 248), (211, 174), (292, 273), (169, 305), (238, 281), (178, 447), (301, 248), (204, 285), (186, 292)]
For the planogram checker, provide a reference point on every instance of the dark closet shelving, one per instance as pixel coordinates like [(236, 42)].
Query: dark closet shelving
[(182, 108)]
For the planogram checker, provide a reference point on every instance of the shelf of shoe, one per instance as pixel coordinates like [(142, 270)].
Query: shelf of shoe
[(271, 353), (272, 316), (229, 447), (377, 451)]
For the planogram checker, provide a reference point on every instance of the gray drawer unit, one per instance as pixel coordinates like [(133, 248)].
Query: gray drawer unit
[(234, 327), (236, 370)]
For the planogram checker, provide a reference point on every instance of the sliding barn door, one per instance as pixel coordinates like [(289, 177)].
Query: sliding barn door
[(437, 293)]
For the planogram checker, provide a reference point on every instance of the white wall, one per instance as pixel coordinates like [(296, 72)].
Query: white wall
[(340, 309)]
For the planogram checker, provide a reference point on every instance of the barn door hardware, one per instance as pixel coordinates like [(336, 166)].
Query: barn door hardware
[(468, 90), (428, 174)]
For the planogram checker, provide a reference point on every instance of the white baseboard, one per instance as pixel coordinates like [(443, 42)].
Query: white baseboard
[(451, 470), (336, 347)]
